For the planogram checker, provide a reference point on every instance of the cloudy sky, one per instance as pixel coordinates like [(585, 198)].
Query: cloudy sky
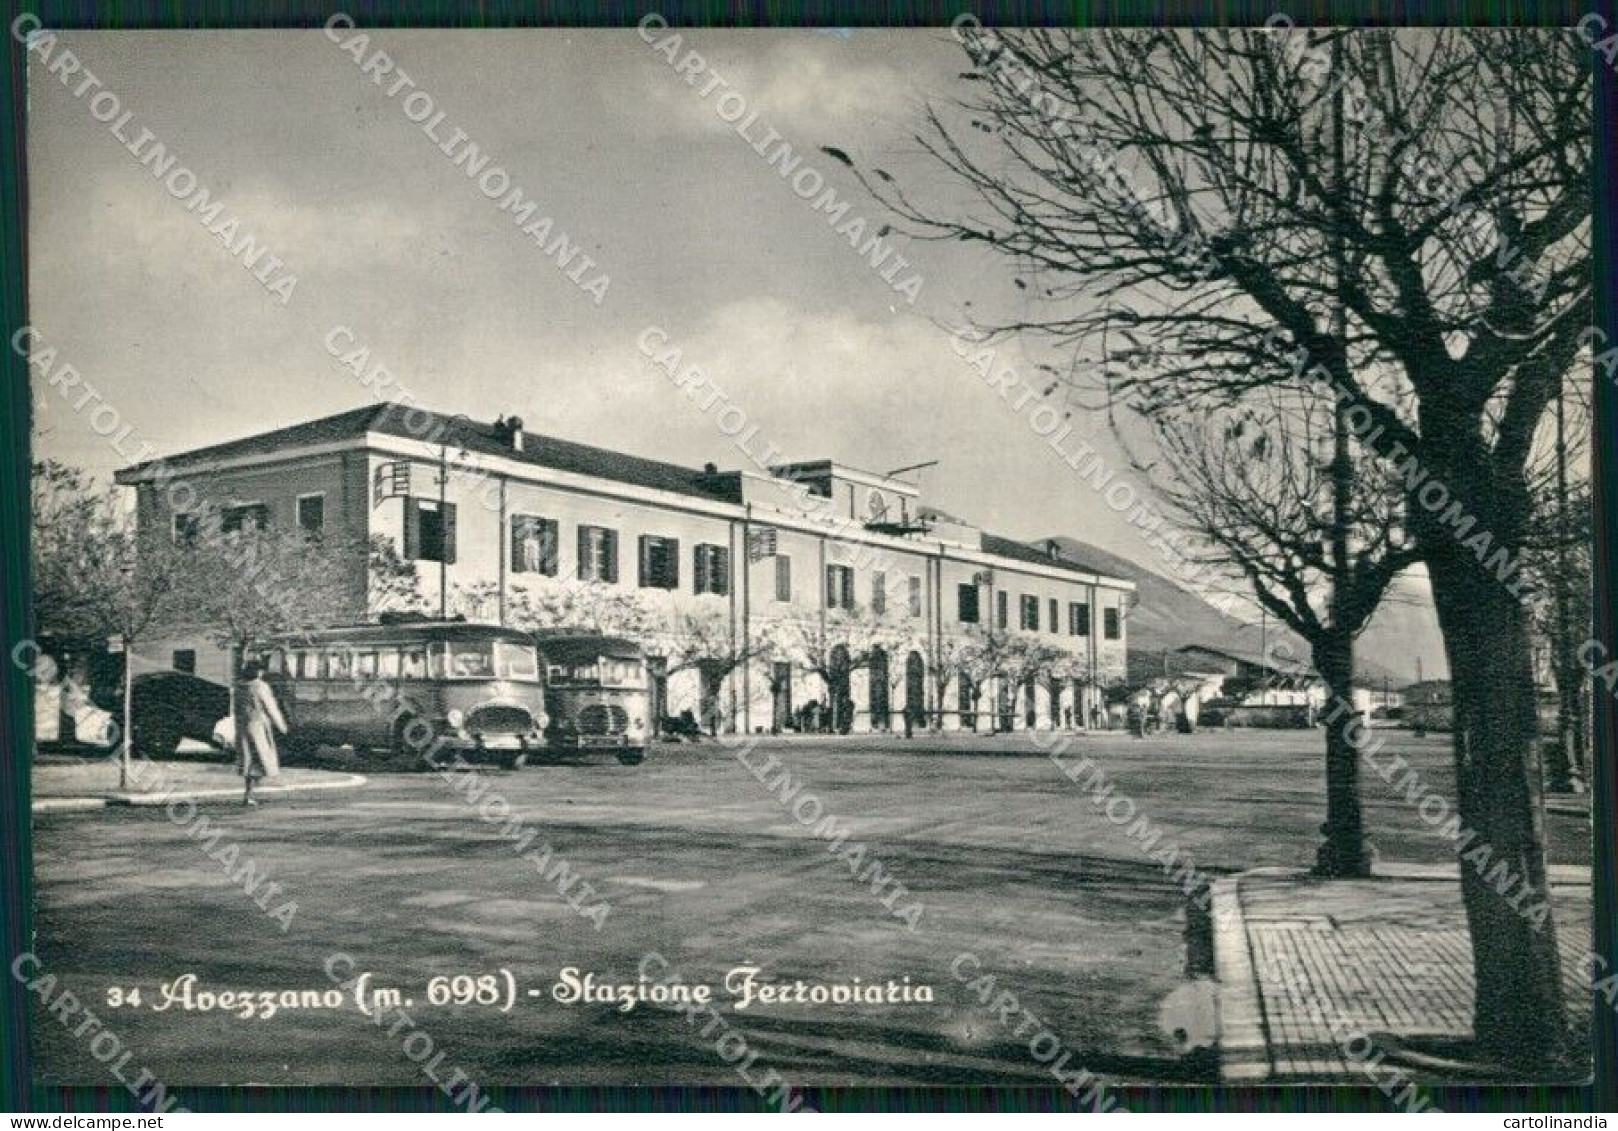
[(698, 234)]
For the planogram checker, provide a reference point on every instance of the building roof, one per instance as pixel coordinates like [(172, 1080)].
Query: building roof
[(487, 438), (1027, 552), (462, 432)]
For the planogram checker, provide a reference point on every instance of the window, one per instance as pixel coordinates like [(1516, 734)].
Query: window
[(186, 528), (598, 554), (839, 587), (413, 661), (535, 544), (365, 665), (710, 567), (339, 663), (516, 661), (312, 514), (1002, 613), (275, 662), (1109, 624), (783, 578), (311, 665), (915, 596), (387, 663), (966, 603), (879, 592), (659, 562), (1028, 613), (429, 531), (245, 519), (1078, 618), (184, 660), (1056, 616)]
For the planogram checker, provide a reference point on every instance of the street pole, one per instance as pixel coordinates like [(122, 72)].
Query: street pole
[(443, 549)]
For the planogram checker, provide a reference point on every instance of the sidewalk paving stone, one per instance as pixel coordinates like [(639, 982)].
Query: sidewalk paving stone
[(1310, 969), (75, 786)]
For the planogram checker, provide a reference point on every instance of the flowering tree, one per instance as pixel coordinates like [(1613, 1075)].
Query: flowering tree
[(95, 576)]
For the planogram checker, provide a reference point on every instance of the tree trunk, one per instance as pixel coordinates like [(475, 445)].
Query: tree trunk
[(125, 747), (1518, 1019), (1569, 773), (1342, 852)]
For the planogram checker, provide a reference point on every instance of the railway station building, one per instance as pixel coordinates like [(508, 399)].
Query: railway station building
[(803, 594)]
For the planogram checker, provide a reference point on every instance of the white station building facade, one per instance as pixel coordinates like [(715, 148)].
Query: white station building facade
[(808, 584)]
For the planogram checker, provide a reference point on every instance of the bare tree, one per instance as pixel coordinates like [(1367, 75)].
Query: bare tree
[(1261, 484), (1442, 288)]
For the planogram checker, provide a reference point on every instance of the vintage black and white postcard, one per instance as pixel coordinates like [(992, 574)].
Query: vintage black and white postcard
[(813, 558)]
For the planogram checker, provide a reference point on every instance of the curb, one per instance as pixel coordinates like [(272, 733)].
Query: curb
[(152, 800), (1242, 1043), (68, 804)]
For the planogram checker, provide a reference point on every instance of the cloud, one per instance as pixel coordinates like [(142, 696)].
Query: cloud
[(811, 88)]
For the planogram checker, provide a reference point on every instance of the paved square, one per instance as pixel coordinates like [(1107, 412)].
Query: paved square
[(700, 862)]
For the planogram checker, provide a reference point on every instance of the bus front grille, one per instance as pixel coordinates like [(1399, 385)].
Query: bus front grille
[(603, 718), (500, 720)]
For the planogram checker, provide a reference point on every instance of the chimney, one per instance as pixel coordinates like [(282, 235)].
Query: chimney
[(511, 426), (710, 469), (1053, 550)]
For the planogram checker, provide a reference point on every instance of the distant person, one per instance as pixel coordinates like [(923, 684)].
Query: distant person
[(258, 717)]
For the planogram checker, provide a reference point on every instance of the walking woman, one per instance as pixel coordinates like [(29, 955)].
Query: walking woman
[(258, 717)]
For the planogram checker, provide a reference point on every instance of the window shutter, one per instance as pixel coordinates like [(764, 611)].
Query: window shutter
[(721, 570), (646, 577), (610, 566), (589, 568), (447, 526), (412, 529), (673, 579), (699, 569), (879, 592), (783, 579), (550, 538)]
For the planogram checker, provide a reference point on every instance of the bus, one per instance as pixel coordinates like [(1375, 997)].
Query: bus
[(596, 694), (476, 687)]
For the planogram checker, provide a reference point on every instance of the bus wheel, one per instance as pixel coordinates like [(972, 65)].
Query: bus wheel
[(631, 757), (401, 746), (519, 760)]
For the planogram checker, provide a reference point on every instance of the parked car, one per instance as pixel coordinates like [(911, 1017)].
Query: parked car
[(169, 706)]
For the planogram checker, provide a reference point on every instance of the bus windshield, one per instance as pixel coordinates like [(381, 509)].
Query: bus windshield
[(602, 671), (483, 659)]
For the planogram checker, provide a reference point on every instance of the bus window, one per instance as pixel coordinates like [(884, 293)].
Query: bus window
[(387, 663), (413, 661), (313, 665), (365, 665), (275, 661), (339, 662), (472, 659), (515, 661), (621, 673)]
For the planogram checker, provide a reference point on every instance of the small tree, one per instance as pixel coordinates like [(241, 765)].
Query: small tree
[(251, 583), (394, 582), (702, 640), (585, 606), (95, 576)]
